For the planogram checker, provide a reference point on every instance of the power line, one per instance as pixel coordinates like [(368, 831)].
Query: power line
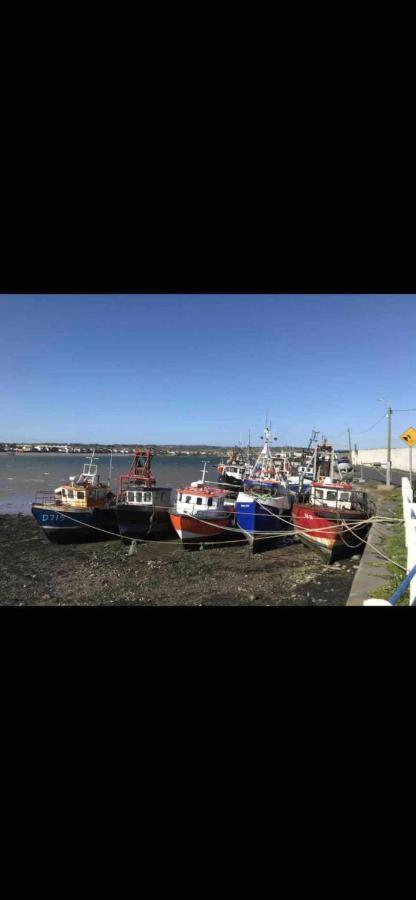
[(357, 433)]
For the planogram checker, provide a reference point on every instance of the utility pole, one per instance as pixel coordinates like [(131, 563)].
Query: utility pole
[(389, 412), (349, 439)]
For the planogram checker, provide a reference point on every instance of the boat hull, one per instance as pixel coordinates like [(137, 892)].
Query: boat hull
[(191, 530), (140, 522), (329, 531), (260, 520), (76, 525)]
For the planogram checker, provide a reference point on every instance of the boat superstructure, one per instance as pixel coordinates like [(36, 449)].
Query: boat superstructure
[(267, 469)]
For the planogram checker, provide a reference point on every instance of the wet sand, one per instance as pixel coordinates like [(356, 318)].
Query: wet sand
[(34, 571)]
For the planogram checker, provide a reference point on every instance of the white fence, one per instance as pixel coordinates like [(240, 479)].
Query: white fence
[(409, 515)]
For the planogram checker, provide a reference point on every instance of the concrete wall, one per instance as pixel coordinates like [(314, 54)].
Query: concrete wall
[(399, 458)]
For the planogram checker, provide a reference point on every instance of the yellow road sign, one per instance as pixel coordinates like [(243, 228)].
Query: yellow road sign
[(409, 437)]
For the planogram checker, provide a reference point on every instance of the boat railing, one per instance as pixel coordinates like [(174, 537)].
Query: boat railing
[(357, 501), (48, 498)]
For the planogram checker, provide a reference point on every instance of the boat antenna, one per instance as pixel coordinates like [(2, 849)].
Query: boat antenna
[(203, 472)]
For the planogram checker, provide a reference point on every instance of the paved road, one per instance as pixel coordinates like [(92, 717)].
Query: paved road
[(375, 474)]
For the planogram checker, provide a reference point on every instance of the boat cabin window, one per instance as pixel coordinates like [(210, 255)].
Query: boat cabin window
[(70, 494), (331, 495), (80, 495), (179, 496), (199, 501), (344, 496), (130, 496), (319, 494), (209, 501), (188, 499), (147, 497)]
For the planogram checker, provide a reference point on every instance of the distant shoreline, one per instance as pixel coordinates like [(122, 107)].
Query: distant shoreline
[(111, 452)]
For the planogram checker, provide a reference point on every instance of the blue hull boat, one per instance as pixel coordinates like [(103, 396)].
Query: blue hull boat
[(262, 517), (75, 524)]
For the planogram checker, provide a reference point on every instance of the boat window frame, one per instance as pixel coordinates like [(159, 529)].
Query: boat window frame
[(331, 495)]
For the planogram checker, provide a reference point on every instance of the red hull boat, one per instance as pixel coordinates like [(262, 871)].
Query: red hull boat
[(334, 518)]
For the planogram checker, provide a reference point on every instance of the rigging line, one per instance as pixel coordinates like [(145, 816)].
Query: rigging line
[(334, 437), (413, 409)]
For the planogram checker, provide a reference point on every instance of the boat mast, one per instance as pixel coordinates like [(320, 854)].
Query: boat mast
[(315, 460)]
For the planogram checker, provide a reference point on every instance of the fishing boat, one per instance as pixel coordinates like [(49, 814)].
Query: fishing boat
[(300, 479), (78, 509), (333, 517), (142, 508), (262, 513), (301, 482), (263, 506), (202, 513), (232, 472)]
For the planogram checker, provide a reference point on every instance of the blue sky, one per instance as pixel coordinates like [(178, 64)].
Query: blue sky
[(205, 369)]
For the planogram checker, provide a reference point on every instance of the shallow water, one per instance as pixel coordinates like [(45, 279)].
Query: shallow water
[(22, 476)]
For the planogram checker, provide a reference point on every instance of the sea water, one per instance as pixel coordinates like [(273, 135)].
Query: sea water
[(24, 475)]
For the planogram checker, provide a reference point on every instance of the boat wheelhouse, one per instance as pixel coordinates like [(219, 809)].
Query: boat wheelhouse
[(334, 518), (78, 509), (142, 507)]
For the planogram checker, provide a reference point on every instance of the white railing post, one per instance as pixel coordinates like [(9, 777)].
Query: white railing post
[(409, 516)]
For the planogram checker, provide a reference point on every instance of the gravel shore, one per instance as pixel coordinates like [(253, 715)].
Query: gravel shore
[(35, 572)]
